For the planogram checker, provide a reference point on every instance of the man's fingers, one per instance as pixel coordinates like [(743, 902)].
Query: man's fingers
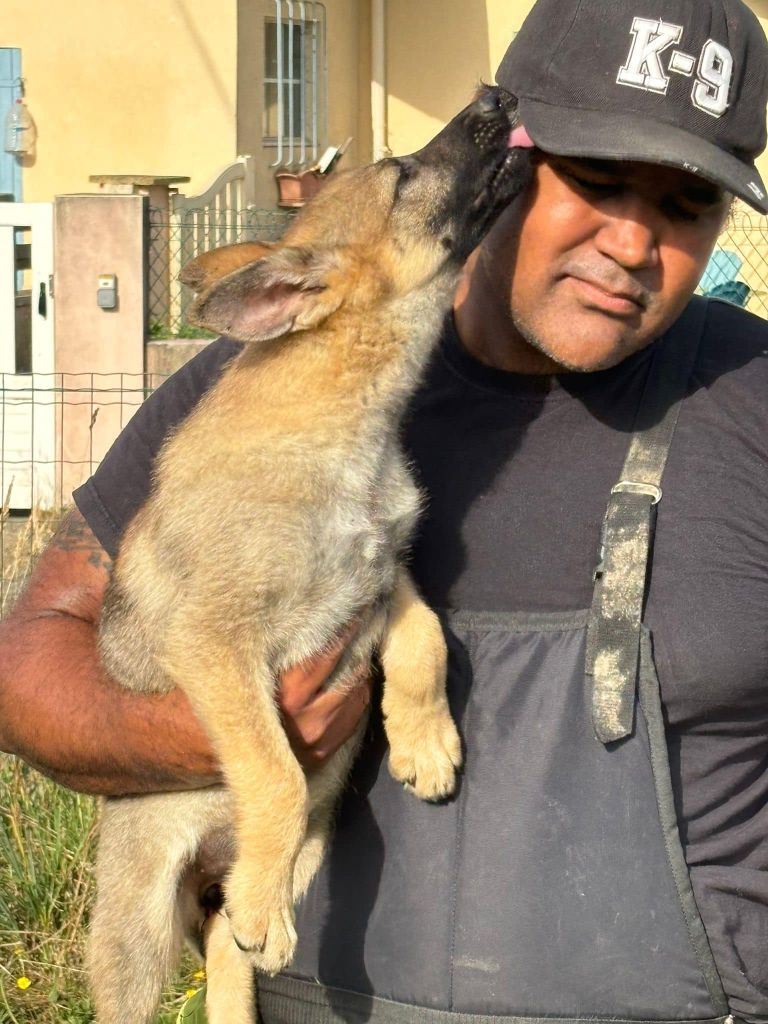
[(350, 699), (334, 716), (301, 684)]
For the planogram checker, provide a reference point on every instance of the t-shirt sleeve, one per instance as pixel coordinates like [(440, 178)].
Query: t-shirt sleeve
[(118, 488)]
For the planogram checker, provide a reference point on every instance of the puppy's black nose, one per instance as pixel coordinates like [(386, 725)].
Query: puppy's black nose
[(490, 103)]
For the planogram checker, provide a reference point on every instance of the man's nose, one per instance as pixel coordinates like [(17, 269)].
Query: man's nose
[(629, 233)]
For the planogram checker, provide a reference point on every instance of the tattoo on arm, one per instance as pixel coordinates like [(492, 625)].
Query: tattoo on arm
[(74, 534)]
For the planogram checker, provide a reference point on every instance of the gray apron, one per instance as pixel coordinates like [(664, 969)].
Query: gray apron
[(554, 883)]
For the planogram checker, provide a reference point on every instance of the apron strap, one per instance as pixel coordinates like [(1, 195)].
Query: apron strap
[(613, 635)]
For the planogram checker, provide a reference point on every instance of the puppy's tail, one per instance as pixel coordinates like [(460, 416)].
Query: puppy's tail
[(138, 924)]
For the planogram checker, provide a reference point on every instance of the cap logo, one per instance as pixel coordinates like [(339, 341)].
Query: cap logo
[(644, 68)]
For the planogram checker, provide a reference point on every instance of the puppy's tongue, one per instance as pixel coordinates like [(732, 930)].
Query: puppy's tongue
[(519, 137)]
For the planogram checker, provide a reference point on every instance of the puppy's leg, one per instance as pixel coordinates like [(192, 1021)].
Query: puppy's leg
[(136, 929), (325, 786), (425, 749), (230, 996), (232, 694)]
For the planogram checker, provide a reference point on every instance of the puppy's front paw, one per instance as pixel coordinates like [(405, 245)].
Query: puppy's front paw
[(425, 752), (264, 930)]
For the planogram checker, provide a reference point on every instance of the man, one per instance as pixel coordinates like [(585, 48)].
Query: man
[(603, 858)]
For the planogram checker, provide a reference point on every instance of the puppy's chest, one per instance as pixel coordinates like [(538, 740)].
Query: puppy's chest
[(375, 499)]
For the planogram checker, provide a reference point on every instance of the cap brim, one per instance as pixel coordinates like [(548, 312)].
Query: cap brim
[(591, 133)]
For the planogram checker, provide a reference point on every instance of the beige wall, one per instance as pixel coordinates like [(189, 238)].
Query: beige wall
[(129, 86), (438, 51), (760, 7), (166, 87)]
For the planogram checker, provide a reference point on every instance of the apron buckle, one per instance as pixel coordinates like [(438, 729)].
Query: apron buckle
[(636, 487)]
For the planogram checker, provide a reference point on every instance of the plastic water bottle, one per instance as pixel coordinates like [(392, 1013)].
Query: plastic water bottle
[(18, 128)]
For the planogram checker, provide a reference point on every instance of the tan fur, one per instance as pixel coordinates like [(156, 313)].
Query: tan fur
[(281, 510), (210, 266)]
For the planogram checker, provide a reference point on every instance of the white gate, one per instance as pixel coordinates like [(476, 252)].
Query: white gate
[(27, 381)]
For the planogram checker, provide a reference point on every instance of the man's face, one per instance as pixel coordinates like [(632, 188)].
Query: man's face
[(600, 258)]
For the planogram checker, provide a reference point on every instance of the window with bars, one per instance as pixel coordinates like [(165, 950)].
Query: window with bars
[(295, 81)]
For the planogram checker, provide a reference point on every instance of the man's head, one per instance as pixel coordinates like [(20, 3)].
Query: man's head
[(649, 121)]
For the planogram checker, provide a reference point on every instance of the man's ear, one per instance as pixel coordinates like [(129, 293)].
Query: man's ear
[(209, 267), (289, 289)]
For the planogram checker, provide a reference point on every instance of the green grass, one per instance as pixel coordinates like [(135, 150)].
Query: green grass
[(47, 844)]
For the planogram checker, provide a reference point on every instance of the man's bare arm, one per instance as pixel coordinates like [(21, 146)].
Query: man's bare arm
[(58, 708), (63, 714)]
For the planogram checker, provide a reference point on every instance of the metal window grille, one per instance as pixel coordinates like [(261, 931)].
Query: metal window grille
[(295, 82)]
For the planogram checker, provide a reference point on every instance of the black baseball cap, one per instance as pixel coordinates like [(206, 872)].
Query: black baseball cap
[(677, 82)]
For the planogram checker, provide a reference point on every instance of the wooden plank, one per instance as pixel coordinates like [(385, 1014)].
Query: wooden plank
[(28, 400)]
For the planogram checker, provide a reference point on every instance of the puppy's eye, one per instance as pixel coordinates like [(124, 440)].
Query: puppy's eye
[(407, 170)]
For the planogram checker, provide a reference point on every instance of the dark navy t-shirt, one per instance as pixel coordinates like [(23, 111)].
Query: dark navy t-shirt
[(517, 472)]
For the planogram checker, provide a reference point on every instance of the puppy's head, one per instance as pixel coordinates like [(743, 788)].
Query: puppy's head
[(372, 234)]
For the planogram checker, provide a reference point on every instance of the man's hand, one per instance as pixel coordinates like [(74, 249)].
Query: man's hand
[(61, 712), (318, 721)]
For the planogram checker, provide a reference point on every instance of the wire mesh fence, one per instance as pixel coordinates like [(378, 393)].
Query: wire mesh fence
[(54, 431), (175, 240), (738, 269)]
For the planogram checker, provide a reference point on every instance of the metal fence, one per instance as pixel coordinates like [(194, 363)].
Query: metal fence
[(40, 467), (738, 269), (176, 239)]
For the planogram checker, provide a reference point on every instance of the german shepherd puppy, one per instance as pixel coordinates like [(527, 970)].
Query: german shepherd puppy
[(281, 511)]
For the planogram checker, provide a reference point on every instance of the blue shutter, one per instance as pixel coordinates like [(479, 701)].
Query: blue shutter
[(10, 72)]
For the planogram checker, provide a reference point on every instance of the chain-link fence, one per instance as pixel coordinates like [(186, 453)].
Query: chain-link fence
[(738, 269), (174, 241), (54, 431)]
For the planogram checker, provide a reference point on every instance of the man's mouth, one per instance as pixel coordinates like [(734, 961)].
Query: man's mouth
[(624, 301)]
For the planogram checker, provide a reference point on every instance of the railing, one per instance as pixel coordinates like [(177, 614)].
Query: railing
[(224, 213)]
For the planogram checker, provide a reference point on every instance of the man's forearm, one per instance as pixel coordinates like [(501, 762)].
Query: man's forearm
[(60, 712)]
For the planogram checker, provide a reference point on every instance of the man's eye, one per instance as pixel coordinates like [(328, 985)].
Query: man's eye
[(595, 187), (677, 209)]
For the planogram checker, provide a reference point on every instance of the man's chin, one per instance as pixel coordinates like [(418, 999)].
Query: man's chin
[(598, 346)]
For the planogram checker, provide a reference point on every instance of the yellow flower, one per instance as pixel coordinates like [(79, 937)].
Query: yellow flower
[(23, 983), (18, 951), (199, 975), (190, 992)]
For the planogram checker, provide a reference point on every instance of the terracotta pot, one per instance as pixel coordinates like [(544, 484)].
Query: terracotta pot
[(297, 189)]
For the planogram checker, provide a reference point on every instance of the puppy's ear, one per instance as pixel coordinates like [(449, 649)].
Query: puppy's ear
[(290, 289), (209, 267)]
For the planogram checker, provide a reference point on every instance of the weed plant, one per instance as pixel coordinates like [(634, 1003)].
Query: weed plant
[(47, 844)]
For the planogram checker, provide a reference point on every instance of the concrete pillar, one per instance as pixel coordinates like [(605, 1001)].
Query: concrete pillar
[(99, 357)]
